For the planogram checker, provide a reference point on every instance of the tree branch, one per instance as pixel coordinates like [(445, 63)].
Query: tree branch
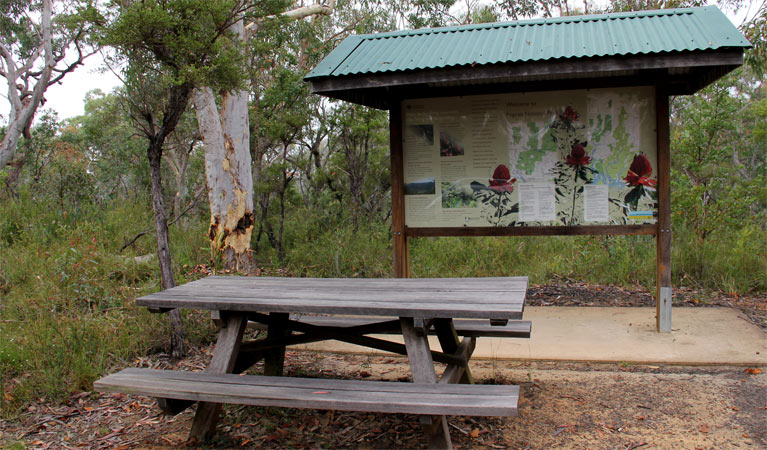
[(300, 13), (188, 208)]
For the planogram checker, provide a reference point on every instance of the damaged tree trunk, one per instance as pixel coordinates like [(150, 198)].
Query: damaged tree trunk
[(228, 173), (228, 161)]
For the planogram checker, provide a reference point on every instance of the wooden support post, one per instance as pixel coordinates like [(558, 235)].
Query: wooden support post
[(422, 368), (663, 234), (224, 356), (274, 359), (399, 235), (448, 340)]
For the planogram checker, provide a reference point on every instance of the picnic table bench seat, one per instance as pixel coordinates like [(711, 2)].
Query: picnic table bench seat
[(315, 393), (304, 310), (463, 327)]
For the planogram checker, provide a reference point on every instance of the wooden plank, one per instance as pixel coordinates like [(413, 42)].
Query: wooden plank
[(346, 395), (455, 373), (274, 359), (385, 284), (422, 368), (223, 361), (663, 236), (448, 340), (360, 297), (344, 335), (324, 383), (511, 311), (356, 325), (464, 327), (580, 230), (405, 285), (399, 239), (481, 328)]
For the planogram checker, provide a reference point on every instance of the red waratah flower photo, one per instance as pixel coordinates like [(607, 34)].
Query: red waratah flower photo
[(639, 172), (502, 181), (578, 156), (569, 114)]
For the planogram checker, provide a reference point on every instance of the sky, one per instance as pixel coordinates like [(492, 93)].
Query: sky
[(68, 98)]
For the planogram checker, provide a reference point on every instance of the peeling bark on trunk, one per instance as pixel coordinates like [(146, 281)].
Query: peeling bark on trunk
[(228, 161), (228, 174)]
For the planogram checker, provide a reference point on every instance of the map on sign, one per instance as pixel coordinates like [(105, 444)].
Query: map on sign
[(584, 157)]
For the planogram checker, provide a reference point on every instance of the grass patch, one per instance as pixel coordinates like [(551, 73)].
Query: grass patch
[(67, 290), (67, 309)]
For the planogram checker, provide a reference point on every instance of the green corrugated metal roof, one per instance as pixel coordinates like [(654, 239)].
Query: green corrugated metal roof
[(635, 33)]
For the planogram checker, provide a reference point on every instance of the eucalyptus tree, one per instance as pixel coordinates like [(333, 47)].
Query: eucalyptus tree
[(39, 46), (359, 133), (719, 164), (170, 47), (226, 134), (116, 152)]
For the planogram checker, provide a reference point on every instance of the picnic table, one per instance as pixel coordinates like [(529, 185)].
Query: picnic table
[(303, 310)]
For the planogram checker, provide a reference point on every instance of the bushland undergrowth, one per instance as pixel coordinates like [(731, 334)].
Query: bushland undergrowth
[(67, 291)]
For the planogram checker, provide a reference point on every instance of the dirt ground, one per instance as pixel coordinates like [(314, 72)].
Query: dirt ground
[(563, 405)]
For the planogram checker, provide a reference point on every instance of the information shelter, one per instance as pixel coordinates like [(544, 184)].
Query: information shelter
[(540, 127)]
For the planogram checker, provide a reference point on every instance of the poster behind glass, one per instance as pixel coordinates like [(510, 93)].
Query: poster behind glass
[(581, 157)]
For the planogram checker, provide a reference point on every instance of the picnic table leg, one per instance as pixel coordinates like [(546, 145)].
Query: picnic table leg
[(224, 357), (422, 368), (274, 360), (448, 340)]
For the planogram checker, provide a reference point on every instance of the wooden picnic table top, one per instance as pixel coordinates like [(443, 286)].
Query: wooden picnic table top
[(469, 298)]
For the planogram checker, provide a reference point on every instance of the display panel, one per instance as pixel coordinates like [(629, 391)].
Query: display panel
[(580, 157)]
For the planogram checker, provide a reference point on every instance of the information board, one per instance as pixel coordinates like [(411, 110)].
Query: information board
[(580, 157)]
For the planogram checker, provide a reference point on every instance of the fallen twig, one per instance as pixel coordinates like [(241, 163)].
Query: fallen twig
[(458, 428)]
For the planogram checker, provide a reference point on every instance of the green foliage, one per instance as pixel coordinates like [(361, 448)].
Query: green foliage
[(68, 313), (719, 162), (755, 31), (631, 258), (730, 261), (322, 247), (20, 32), (188, 37), (323, 189), (105, 135)]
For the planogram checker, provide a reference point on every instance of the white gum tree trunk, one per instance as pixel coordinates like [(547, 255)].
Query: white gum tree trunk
[(226, 137), (228, 175), (228, 163)]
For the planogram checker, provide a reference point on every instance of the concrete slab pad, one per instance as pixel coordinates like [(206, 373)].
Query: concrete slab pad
[(699, 336)]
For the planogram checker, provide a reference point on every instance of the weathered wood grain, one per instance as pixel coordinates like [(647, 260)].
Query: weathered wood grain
[(454, 307), (422, 367), (345, 395), (455, 373), (223, 361), (448, 340), (380, 325), (356, 297), (663, 237), (274, 358), (400, 248), (367, 283)]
